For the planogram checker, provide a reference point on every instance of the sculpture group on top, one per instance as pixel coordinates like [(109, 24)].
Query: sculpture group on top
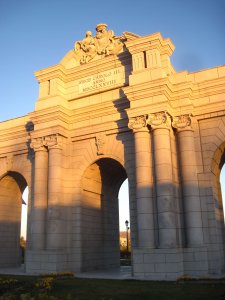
[(105, 43)]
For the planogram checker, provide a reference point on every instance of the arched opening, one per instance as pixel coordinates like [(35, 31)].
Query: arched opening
[(12, 186), (217, 188), (222, 184), (219, 172), (100, 214), (124, 221), (23, 227)]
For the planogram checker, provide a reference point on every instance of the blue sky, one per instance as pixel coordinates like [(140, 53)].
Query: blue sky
[(35, 34)]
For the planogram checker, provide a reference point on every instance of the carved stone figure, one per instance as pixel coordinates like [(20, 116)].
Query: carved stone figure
[(103, 44), (104, 40), (86, 47), (100, 142)]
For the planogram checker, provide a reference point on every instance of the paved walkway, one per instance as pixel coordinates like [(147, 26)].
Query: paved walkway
[(122, 274), (13, 271)]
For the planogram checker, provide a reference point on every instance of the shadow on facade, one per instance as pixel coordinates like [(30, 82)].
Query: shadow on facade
[(98, 222)]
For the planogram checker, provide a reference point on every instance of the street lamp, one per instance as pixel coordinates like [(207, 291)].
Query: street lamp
[(127, 228)]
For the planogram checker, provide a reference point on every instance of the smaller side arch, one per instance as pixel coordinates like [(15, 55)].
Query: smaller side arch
[(218, 161), (12, 185)]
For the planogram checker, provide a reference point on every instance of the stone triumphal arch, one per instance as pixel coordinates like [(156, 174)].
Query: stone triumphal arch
[(115, 108)]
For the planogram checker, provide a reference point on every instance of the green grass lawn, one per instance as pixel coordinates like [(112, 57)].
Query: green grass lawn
[(96, 289)]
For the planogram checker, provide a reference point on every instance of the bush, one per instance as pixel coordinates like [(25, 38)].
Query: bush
[(7, 284), (45, 283)]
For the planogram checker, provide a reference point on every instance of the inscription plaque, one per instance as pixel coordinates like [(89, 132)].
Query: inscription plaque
[(100, 81)]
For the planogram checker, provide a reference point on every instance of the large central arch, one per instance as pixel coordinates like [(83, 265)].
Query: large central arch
[(100, 214)]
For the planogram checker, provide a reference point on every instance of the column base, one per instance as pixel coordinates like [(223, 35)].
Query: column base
[(171, 264), (48, 261)]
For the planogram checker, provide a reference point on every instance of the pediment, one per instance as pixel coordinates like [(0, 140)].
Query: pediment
[(105, 43)]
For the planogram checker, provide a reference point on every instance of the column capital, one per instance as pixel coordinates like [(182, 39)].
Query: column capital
[(138, 123), (159, 120), (53, 141), (182, 123), (37, 144)]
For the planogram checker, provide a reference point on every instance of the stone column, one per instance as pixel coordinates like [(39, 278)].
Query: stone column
[(190, 190), (55, 228), (144, 182), (161, 126), (39, 207)]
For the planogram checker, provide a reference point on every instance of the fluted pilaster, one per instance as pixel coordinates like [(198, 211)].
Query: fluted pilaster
[(190, 190), (144, 182), (55, 228), (39, 208), (161, 126)]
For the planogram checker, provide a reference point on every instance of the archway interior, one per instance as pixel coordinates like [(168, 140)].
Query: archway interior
[(100, 214), (222, 184), (23, 229), (124, 208), (12, 186)]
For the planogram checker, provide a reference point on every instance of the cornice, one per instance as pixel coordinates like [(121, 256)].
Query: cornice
[(89, 132), (93, 67), (18, 149), (89, 114), (55, 113), (177, 94), (54, 130), (153, 41), (12, 131), (15, 122)]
